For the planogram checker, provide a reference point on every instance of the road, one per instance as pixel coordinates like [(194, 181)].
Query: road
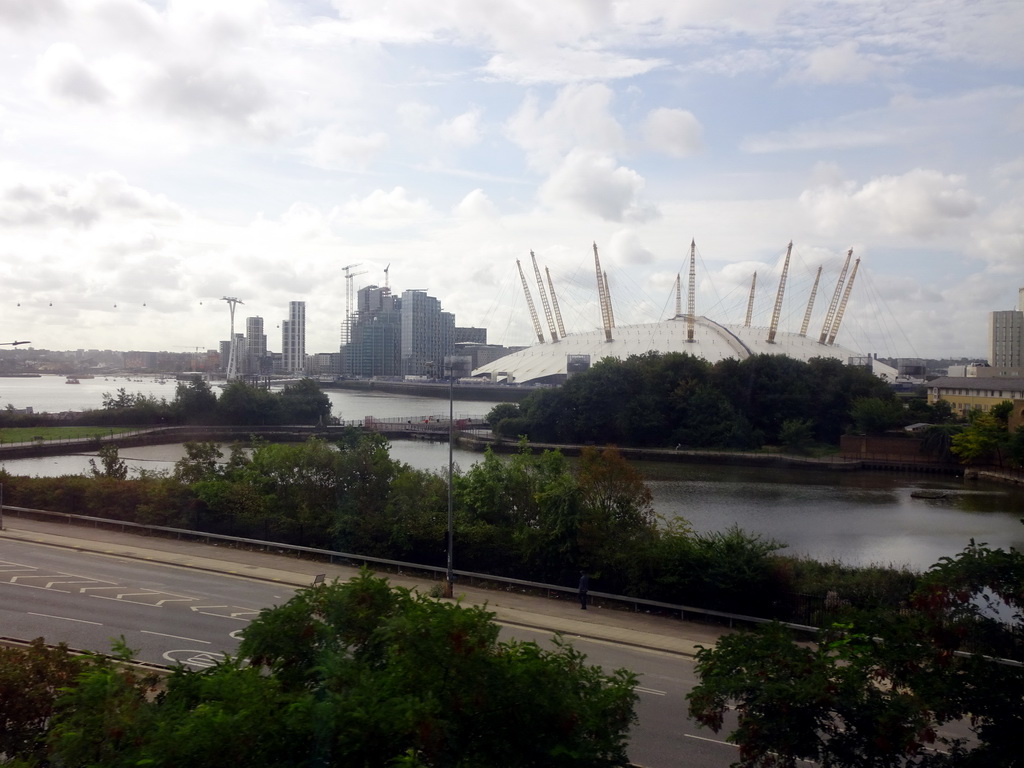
[(171, 615)]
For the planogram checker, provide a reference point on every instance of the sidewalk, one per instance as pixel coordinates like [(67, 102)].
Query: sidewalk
[(512, 608)]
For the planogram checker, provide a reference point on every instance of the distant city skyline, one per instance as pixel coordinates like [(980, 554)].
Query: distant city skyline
[(157, 155)]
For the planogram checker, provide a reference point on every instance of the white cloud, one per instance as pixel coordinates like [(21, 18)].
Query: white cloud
[(568, 66), (921, 203), (382, 209), (21, 13), (462, 130), (476, 205), (592, 183), (842, 63), (335, 149), (59, 201), (626, 248), (64, 76), (416, 115), (676, 132), (193, 91), (579, 119)]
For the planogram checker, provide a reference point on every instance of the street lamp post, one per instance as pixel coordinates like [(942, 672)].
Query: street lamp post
[(449, 587)]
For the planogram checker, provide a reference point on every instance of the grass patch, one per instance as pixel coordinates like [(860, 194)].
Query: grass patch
[(28, 434)]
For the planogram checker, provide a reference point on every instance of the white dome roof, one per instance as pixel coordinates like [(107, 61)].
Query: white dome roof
[(712, 341)]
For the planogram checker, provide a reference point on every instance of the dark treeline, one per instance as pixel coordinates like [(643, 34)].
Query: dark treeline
[(536, 517), (677, 399), (196, 403)]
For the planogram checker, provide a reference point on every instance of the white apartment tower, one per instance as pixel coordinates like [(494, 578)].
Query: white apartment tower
[(255, 344), (293, 340)]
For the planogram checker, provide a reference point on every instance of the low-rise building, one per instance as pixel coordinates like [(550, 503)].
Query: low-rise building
[(979, 393)]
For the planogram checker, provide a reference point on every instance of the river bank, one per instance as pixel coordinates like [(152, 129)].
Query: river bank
[(461, 391)]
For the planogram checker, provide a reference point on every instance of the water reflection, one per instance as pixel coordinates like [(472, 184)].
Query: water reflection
[(853, 517)]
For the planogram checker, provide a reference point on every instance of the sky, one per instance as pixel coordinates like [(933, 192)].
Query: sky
[(157, 157)]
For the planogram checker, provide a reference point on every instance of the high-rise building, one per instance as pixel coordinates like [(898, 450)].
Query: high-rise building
[(428, 334), (293, 340), (375, 335), (255, 346), (1006, 336)]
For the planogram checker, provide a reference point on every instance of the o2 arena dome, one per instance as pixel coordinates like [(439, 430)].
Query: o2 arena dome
[(552, 361)]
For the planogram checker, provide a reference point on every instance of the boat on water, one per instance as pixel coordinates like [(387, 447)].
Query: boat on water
[(72, 380)]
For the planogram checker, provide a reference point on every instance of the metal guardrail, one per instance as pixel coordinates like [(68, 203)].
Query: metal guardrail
[(332, 556), (636, 602)]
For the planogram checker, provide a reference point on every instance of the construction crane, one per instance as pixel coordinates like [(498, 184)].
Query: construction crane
[(529, 303), (777, 312), (232, 368), (544, 299), (346, 328), (831, 314)]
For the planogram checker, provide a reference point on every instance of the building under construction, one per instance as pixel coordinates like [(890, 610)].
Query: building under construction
[(557, 354)]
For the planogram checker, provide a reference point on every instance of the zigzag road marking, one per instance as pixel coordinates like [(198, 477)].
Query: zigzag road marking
[(207, 610)]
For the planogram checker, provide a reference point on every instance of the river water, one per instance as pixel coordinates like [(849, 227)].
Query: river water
[(859, 518)]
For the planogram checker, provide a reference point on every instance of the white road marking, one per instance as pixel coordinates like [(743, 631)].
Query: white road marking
[(69, 581), (36, 586), (65, 618), (176, 637), (655, 691), (201, 659), (713, 741), (236, 615)]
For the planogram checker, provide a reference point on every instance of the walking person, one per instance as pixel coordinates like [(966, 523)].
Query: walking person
[(584, 588)]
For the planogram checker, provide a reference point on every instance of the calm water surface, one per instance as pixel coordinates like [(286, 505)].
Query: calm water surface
[(855, 517)]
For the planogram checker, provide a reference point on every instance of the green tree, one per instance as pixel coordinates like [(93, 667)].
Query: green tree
[(304, 403), (106, 717), (937, 440), (31, 680), (500, 412), (1016, 447), (879, 689), (382, 672), (357, 673), (199, 462), (194, 401), (983, 439), (796, 435), (875, 415), (114, 467), (243, 404)]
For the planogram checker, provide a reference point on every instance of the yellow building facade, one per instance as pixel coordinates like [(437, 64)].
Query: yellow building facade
[(966, 394)]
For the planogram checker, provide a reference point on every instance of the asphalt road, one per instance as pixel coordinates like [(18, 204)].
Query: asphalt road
[(170, 614)]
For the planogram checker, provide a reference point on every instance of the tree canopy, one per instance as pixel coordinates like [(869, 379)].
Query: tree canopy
[(677, 399), (937, 683), (353, 673)]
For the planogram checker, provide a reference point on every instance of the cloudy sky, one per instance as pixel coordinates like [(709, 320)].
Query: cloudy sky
[(156, 157)]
